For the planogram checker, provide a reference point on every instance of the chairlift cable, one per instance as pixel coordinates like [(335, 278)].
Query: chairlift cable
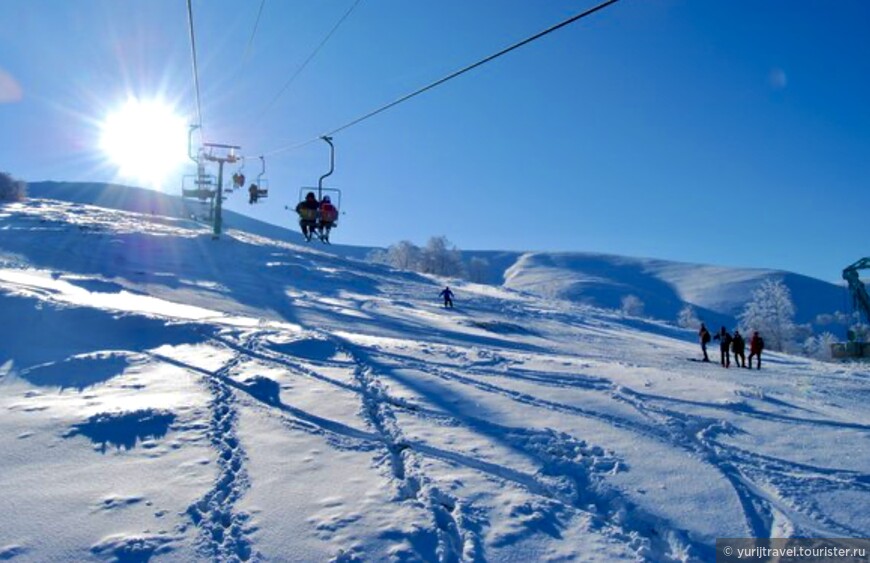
[(310, 58), (253, 33), (451, 76), (195, 69)]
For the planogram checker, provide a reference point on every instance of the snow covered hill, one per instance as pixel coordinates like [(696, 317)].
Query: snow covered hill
[(169, 397), (718, 294)]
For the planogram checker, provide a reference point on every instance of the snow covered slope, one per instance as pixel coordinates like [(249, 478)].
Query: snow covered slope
[(717, 293), (141, 200), (169, 397)]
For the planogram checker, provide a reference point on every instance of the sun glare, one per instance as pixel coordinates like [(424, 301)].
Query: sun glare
[(146, 140)]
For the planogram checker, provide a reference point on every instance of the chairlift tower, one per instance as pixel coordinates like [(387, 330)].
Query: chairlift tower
[(200, 186), (221, 154)]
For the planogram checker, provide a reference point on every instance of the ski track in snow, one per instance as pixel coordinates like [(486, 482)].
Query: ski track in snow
[(697, 435), (562, 477), (752, 476), (454, 522), (457, 524), (223, 531)]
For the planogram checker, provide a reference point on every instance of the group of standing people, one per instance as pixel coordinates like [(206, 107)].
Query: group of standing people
[(735, 343), (316, 217)]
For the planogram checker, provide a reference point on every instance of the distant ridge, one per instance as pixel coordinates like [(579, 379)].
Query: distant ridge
[(718, 293)]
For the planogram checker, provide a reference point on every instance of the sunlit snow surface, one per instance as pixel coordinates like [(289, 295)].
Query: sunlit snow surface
[(168, 397)]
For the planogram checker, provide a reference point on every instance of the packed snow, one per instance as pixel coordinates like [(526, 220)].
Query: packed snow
[(170, 397)]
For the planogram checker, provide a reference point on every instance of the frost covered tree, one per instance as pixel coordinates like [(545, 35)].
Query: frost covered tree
[(632, 305), (478, 269), (377, 256), (687, 318), (819, 346), (771, 312), (835, 318), (11, 189), (441, 257), (404, 255), (860, 331)]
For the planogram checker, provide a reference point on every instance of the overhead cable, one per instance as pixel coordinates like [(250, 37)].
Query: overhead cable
[(195, 68), (254, 32), (310, 57), (451, 76)]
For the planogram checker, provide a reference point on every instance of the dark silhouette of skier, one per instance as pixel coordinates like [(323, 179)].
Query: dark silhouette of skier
[(307, 211), (448, 297), (724, 347), (704, 338), (738, 346)]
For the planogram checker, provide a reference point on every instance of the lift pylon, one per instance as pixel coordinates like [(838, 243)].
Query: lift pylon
[(222, 154)]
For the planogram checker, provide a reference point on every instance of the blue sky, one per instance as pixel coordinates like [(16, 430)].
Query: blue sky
[(734, 133)]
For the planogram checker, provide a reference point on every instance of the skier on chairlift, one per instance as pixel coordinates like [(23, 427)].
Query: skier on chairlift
[(254, 193), (307, 210), (328, 217)]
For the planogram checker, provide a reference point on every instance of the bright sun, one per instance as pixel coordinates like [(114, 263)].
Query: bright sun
[(145, 139)]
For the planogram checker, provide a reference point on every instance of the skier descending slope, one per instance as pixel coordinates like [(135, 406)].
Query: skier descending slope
[(448, 297)]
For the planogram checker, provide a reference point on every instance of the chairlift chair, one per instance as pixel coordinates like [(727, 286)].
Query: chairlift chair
[(259, 189), (262, 188), (262, 183), (322, 228), (220, 152), (201, 187), (238, 179)]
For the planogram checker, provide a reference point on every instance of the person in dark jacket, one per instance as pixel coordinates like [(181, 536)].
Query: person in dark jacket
[(738, 346), (704, 338), (253, 194), (724, 346), (756, 345), (448, 297), (307, 210)]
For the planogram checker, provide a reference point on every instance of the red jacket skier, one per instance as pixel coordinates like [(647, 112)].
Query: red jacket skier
[(756, 345)]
